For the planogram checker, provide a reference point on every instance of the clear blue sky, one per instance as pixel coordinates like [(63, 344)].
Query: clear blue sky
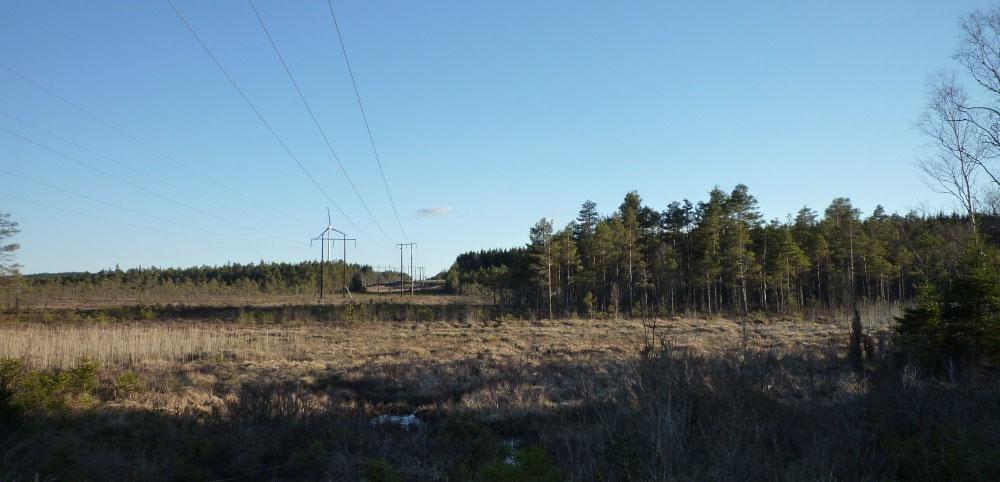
[(502, 112)]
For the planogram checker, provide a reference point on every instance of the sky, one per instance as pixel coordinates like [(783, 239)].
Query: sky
[(487, 117)]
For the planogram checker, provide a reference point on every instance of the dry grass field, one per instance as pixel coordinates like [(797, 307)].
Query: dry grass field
[(504, 399), (136, 344), (349, 346), (84, 298)]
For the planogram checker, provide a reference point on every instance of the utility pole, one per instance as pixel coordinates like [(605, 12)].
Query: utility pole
[(322, 261), (411, 245), (344, 239), (324, 238)]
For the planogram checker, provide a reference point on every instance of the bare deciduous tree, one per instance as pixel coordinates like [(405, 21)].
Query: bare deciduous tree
[(979, 54), (990, 202), (957, 148)]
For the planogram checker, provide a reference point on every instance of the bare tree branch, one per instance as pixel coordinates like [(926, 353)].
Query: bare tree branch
[(952, 166)]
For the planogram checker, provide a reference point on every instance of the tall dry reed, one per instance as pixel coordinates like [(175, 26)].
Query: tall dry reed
[(127, 346)]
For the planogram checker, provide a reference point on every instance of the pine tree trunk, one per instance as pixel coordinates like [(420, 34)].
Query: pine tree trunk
[(548, 265)]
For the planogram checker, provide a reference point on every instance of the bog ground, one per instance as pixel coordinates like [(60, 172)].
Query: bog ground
[(481, 399)]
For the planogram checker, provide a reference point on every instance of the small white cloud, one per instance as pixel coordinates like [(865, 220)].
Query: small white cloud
[(434, 212)]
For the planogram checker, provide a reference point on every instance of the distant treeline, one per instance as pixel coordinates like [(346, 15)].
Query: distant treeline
[(719, 255), (267, 278)]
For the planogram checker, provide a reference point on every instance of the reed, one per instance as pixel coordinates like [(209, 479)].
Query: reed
[(43, 346)]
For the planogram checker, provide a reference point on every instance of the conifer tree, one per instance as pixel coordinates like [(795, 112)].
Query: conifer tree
[(542, 259), (8, 229), (741, 218), (841, 227)]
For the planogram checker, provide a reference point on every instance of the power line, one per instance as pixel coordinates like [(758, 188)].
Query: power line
[(264, 121), (78, 213), (110, 204), (85, 149), (312, 115), (133, 138), (100, 155), (364, 117), (139, 186), (89, 198), (91, 216)]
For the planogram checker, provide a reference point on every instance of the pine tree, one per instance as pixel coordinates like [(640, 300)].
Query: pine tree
[(786, 264), (707, 245), (741, 218), (841, 228), (677, 221), (628, 212), (665, 268), (568, 262), (584, 230), (607, 255), (542, 259), (8, 229)]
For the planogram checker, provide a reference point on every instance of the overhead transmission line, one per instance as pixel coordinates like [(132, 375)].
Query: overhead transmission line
[(312, 115), (264, 121), (140, 187), (78, 213), (89, 198), (100, 155), (135, 139), (88, 150), (364, 117), (113, 205), (91, 216)]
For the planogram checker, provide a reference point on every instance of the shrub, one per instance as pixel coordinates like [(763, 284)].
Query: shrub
[(957, 321), (351, 312), (10, 371), (47, 391), (589, 301), (82, 379), (246, 317), (357, 283), (530, 463), (854, 354), (126, 384), (312, 457), (940, 452), (380, 470), (478, 446), (424, 313), (100, 317)]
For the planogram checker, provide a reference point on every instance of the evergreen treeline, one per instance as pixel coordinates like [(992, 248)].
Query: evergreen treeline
[(718, 255), (266, 278)]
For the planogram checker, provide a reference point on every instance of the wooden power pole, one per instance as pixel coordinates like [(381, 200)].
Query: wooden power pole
[(411, 245), (324, 238)]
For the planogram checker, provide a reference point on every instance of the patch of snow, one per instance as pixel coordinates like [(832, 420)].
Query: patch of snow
[(511, 445), (407, 422)]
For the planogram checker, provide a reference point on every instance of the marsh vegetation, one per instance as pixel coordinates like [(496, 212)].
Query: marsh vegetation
[(496, 399)]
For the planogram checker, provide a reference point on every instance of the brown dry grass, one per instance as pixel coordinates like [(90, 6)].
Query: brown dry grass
[(355, 345), (506, 368), (690, 398)]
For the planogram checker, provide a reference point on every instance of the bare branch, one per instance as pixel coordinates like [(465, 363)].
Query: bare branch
[(952, 166)]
